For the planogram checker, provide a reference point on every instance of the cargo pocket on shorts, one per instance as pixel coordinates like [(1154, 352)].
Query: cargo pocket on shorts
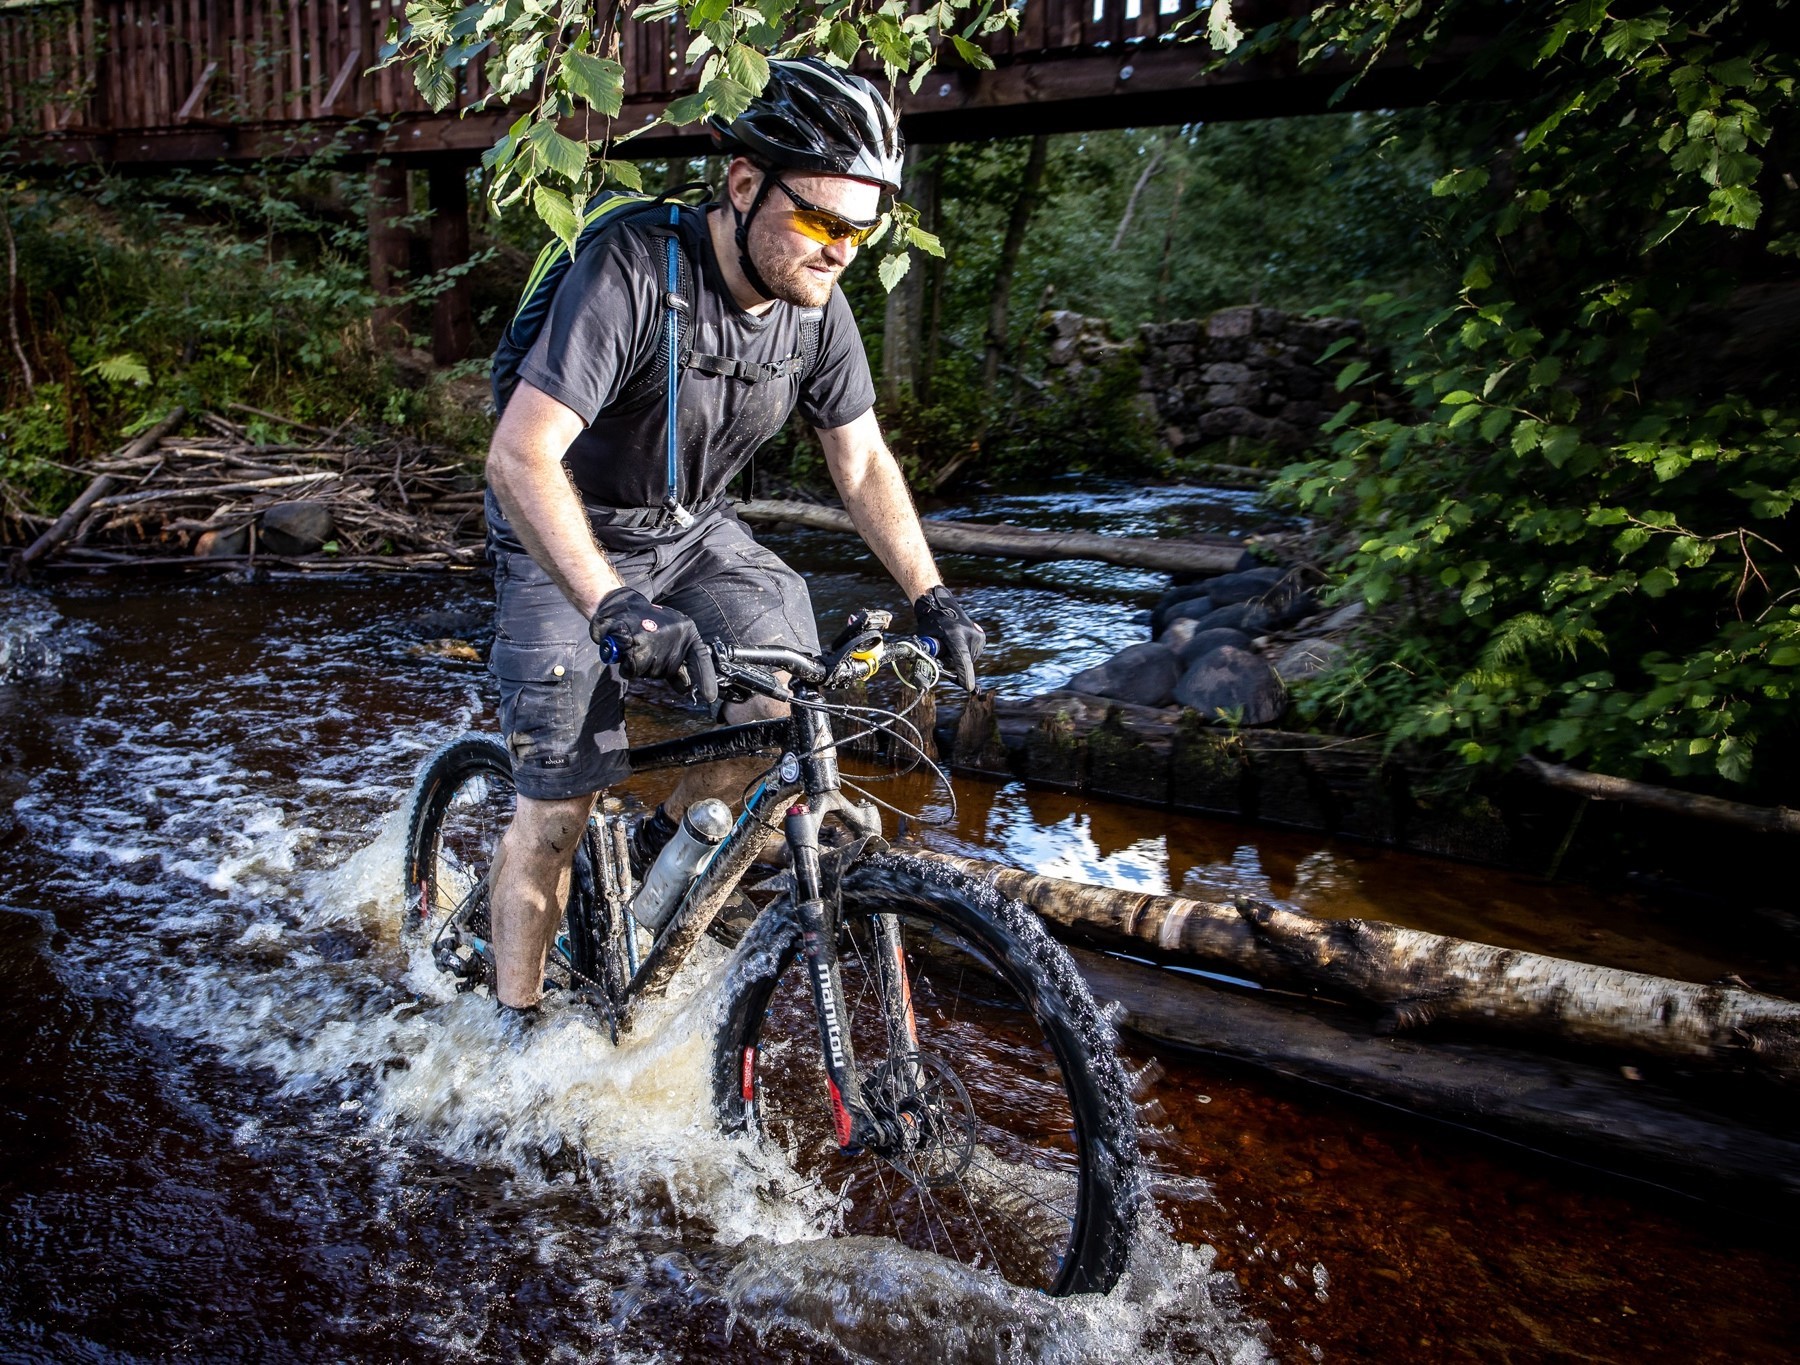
[(538, 703)]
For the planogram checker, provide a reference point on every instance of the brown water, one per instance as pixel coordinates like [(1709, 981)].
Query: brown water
[(237, 1123)]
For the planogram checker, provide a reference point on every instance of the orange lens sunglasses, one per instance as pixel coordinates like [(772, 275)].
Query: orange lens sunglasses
[(825, 227)]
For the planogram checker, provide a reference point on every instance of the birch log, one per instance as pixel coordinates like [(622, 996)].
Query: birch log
[(64, 526), (1014, 542), (1418, 978)]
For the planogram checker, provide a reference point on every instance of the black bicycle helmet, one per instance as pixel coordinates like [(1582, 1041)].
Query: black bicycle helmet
[(812, 117)]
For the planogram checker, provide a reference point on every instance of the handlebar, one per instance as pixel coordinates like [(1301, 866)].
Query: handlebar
[(754, 666)]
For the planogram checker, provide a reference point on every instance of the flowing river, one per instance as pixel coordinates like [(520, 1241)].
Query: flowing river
[(237, 1122)]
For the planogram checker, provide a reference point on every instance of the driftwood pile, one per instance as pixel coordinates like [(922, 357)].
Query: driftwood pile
[(220, 500)]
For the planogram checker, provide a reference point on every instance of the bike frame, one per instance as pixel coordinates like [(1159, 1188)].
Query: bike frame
[(797, 797)]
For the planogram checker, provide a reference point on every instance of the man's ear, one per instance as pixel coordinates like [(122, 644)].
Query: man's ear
[(742, 180)]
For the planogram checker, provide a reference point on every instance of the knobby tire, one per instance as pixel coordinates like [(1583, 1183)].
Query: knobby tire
[(1049, 1194)]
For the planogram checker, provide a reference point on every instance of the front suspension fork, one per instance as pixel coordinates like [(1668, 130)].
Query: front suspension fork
[(857, 1125)]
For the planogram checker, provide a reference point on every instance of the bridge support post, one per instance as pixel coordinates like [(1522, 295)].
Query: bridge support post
[(452, 318), (390, 248)]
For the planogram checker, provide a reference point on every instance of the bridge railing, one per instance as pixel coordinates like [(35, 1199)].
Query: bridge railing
[(123, 66)]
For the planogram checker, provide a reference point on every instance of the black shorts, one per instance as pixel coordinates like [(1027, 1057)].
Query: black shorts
[(562, 711)]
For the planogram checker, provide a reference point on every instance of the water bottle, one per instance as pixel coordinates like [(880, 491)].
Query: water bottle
[(704, 825)]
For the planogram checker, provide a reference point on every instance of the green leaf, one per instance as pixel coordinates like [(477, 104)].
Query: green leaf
[(1736, 71), (748, 67), (121, 369), (844, 41), (893, 269), (727, 98), (626, 173), (1477, 276), (558, 213), (1460, 184), (1546, 372), (925, 241), (1352, 372), (705, 11), (596, 80), (1733, 762), (1734, 206), (563, 155), (687, 109), (971, 54), (1657, 582)]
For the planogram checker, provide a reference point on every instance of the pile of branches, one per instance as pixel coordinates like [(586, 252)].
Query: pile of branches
[(202, 501)]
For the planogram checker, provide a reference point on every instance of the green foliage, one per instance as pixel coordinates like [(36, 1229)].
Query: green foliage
[(1583, 545), (135, 295), (559, 56)]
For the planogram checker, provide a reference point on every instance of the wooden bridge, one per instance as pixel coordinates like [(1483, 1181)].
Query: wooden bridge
[(146, 84)]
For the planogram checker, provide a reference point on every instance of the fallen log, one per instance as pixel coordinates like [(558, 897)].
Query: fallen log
[(1415, 979), (64, 526), (1636, 1128), (1769, 820), (1012, 542)]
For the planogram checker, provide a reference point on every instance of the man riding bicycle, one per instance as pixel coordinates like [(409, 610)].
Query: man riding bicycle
[(594, 539)]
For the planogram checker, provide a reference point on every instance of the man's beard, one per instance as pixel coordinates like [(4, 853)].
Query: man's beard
[(790, 280)]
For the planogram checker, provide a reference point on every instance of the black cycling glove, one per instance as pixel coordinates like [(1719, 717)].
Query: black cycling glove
[(960, 640), (655, 642)]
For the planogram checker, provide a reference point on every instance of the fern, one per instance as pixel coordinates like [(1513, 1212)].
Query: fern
[(121, 369)]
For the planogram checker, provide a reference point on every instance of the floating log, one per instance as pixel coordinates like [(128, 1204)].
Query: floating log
[(1013, 542), (64, 526), (1415, 978), (1633, 1127), (1767, 819)]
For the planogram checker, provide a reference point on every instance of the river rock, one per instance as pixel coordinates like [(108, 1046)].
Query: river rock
[(1174, 597), (1143, 674), (1231, 588), (1193, 609), (1233, 684), (233, 542), (1250, 617), (1200, 643), (1307, 658), (297, 528), (1343, 618)]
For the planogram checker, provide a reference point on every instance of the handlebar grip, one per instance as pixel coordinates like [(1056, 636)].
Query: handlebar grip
[(930, 643), (609, 650)]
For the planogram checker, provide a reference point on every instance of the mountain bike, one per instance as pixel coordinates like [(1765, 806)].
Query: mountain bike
[(900, 1035)]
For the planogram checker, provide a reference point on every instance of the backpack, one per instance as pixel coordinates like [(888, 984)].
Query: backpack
[(675, 355)]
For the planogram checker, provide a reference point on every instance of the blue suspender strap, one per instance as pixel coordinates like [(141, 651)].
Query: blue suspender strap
[(672, 328)]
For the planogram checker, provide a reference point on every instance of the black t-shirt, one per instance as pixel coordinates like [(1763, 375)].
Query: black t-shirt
[(601, 333)]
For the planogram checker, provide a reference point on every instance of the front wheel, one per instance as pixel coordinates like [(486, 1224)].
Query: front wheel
[(1027, 1164)]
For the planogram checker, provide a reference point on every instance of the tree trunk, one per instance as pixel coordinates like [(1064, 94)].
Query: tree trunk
[(1768, 820), (1024, 206), (1150, 169), (1011, 542), (903, 332), (1579, 1109), (1418, 978), (1168, 251)]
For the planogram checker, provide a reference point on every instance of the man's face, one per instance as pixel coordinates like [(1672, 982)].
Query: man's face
[(799, 270)]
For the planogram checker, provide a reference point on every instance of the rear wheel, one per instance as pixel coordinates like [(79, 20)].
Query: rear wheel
[(462, 803), (1026, 1164)]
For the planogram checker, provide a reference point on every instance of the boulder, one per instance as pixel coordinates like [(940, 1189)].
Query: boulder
[(233, 542), (1142, 674), (297, 528), (1231, 588), (1200, 643), (1250, 617), (1192, 609), (1235, 685), (1343, 617), (1307, 658)]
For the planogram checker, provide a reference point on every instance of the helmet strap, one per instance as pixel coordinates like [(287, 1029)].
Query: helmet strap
[(742, 235)]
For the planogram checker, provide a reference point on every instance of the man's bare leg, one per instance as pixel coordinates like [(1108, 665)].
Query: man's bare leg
[(531, 885)]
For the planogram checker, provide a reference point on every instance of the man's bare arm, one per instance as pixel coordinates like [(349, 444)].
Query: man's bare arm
[(874, 491), (525, 471)]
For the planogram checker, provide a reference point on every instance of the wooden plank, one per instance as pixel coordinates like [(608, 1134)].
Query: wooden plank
[(1109, 27), (346, 72), (1031, 37), (162, 33), (196, 101), (235, 44), (314, 57), (9, 83), (387, 97), (129, 71), (452, 318), (295, 104)]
